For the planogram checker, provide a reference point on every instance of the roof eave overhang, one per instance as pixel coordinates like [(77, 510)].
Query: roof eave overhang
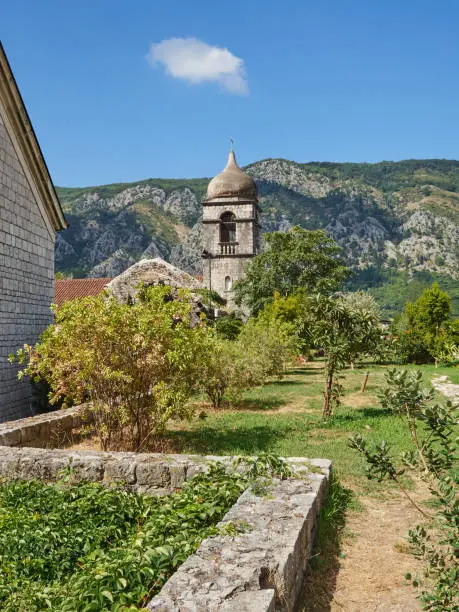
[(19, 121)]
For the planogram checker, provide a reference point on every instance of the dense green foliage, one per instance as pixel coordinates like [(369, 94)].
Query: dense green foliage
[(296, 260), (393, 176), (136, 364), (86, 547), (261, 349), (424, 332), (434, 455), (392, 288)]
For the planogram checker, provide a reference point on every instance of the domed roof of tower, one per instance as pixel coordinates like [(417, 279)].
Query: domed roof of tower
[(232, 182)]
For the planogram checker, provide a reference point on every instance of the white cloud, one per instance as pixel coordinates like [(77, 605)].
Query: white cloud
[(196, 62)]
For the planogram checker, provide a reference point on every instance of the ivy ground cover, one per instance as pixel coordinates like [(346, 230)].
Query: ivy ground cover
[(84, 547)]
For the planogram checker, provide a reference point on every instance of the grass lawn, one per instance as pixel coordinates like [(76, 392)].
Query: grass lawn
[(284, 417), (364, 524)]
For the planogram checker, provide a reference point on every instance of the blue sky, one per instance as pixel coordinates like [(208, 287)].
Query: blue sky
[(328, 80)]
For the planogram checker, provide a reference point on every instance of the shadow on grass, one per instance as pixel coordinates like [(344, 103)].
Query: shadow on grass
[(270, 403), (306, 371), (218, 441), (320, 582), (356, 414), (283, 382)]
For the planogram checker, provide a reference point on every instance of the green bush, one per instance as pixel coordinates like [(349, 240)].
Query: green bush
[(136, 364), (425, 333), (260, 351)]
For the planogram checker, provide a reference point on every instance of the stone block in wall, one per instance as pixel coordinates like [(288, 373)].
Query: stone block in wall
[(153, 474)]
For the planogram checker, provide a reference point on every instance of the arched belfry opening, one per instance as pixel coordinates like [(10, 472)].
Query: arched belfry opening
[(228, 227), (231, 228)]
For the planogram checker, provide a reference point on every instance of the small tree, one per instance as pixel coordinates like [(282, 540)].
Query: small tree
[(136, 365), (424, 332), (225, 370), (261, 350), (366, 336), (342, 331), (271, 341)]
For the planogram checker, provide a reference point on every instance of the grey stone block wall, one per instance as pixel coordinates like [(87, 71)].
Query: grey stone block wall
[(26, 276)]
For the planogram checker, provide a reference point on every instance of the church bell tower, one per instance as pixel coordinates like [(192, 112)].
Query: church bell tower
[(231, 228)]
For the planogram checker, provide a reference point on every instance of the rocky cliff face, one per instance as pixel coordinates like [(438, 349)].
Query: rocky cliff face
[(402, 216)]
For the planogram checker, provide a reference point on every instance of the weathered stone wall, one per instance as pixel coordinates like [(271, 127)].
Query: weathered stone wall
[(49, 430), (26, 276), (221, 267), (262, 568), (152, 473)]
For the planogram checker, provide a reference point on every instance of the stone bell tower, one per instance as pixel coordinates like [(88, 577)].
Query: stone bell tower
[(230, 226)]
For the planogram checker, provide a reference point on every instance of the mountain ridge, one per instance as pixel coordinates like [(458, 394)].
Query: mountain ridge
[(393, 220)]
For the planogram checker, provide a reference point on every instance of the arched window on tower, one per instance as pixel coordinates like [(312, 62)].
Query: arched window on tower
[(228, 283), (228, 227)]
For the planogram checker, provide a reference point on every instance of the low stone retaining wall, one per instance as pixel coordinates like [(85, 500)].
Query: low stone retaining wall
[(260, 569), (48, 429), (151, 473)]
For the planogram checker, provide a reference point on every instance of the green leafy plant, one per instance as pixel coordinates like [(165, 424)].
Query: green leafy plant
[(136, 364), (425, 332), (432, 427), (261, 350), (343, 330), (297, 259), (85, 547)]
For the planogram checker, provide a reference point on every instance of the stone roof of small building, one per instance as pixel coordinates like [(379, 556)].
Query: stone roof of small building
[(232, 182), (150, 272), (72, 288)]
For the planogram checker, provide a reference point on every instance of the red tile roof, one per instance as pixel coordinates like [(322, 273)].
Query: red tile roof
[(72, 288)]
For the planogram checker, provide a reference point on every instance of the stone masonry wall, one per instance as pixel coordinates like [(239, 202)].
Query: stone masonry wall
[(233, 266), (48, 430), (26, 276), (260, 569)]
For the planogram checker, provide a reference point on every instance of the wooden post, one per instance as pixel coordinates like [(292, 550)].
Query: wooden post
[(364, 384)]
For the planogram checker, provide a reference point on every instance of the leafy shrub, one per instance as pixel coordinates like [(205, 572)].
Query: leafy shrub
[(261, 350), (270, 341), (135, 364), (86, 547), (229, 326), (424, 332), (345, 329), (224, 370)]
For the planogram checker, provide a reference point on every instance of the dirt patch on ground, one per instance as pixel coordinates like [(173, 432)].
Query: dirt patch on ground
[(367, 573), (358, 400)]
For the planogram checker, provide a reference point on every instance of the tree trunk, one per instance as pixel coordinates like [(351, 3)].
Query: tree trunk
[(327, 394)]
